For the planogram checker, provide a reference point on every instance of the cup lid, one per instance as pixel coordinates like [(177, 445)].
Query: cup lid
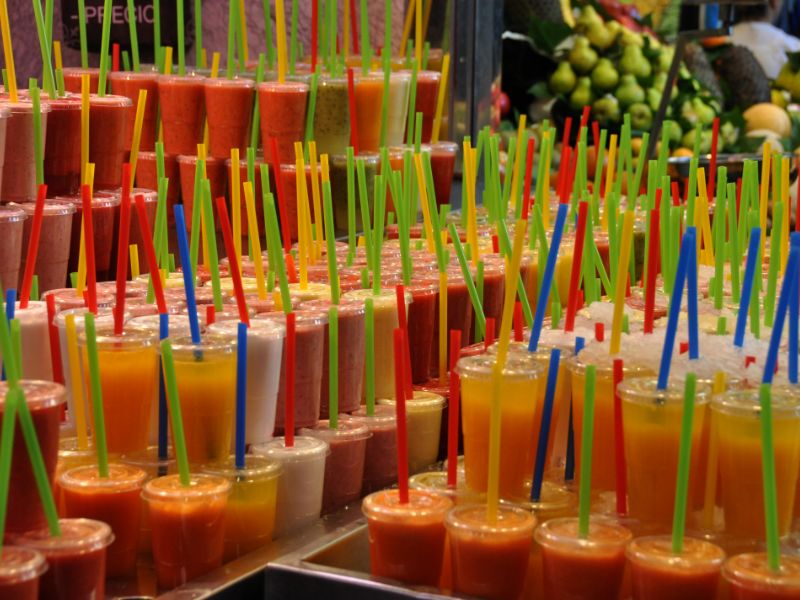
[(347, 429), (753, 571), (386, 505), (12, 213), (215, 346), (108, 340), (110, 100), (746, 402), (78, 536), (384, 416), (178, 324), (644, 390), (303, 318), (697, 555), (421, 401), (51, 208), (287, 86), (472, 518), (38, 394), (261, 328), (169, 487), (120, 478), (518, 366), (225, 82), (255, 467), (604, 534), (18, 564), (305, 448)]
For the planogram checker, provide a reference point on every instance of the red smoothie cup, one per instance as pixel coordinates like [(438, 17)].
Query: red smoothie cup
[(136, 237), (749, 577), (45, 402), (54, 243), (289, 176), (443, 164), (19, 166), (105, 217), (215, 171), (494, 290), (62, 150), (459, 316), (229, 106), (181, 99), (283, 117), (5, 113), (12, 219), (427, 92), (74, 75), (380, 466), (421, 317), (20, 570), (76, 559), (147, 178), (344, 466), (259, 205), (128, 84), (116, 500), (109, 117)]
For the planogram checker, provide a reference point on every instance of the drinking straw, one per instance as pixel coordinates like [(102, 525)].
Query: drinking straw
[(303, 228), (547, 278), (255, 240), (150, 254), (241, 393), (122, 257), (319, 233), (691, 304), (210, 315), (48, 78), (684, 458), (766, 154), (11, 402), (33, 246), (137, 131), (73, 362), (293, 38), (747, 286), (418, 33), (38, 138), (188, 277), (274, 251), (577, 257), (442, 326), (181, 38), (788, 289), (621, 282), (197, 213), (176, 418), (400, 408), (351, 99), (314, 33), (268, 34), (212, 246), (333, 367), (769, 482), (477, 305), (16, 335), (369, 354), (96, 396), (440, 96), (88, 236), (231, 57), (366, 46), (233, 266), (453, 409), (544, 429), (674, 307), (291, 357), (280, 25), (621, 479), (650, 287), (587, 436), (104, 43), (794, 316), (285, 232), (241, 31), (163, 418)]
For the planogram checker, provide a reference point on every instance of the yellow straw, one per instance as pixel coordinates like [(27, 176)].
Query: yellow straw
[(73, 360), (81, 283), (710, 490), (703, 219), (622, 280), (201, 155), (423, 200), (315, 195), (280, 24), (243, 29), (418, 34), (203, 58), (512, 272), (134, 254), (255, 240), (787, 203), (410, 11), (302, 205), (517, 155), (167, 71), (762, 201), (472, 229), (426, 18), (57, 54), (84, 125), (612, 152), (437, 119), (442, 327), (137, 132), (236, 205), (9, 52), (326, 174), (214, 74)]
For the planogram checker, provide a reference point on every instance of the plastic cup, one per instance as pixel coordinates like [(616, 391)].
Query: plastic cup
[(490, 560), (215, 171), (344, 467), (459, 316), (19, 167), (288, 174), (301, 482), (421, 316), (11, 227), (229, 106), (425, 100), (283, 117), (338, 168), (576, 567), (265, 341), (147, 178), (135, 232), (128, 365), (206, 378), (76, 560), (129, 83), (105, 222), (380, 465), (250, 513), (62, 149), (109, 116), (257, 196), (114, 500), (20, 570), (397, 109), (332, 116), (424, 424), (737, 416), (5, 113), (70, 456), (188, 526), (74, 75), (443, 163), (657, 573), (35, 341), (52, 258), (406, 541), (519, 391), (181, 100), (749, 578), (652, 434), (369, 100)]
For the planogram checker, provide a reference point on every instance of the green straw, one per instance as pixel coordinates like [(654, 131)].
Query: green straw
[(96, 396), (366, 48), (181, 38), (722, 325), (684, 462), (351, 206), (505, 242), (330, 241), (178, 436), (385, 100), (418, 132), (11, 360), (198, 33), (232, 16), (82, 33), (312, 105), (255, 128), (477, 306), (600, 148), (364, 203), (48, 78), (126, 61), (268, 34), (774, 263), (6, 450), (719, 238), (134, 35), (641, 158), (770, 486), (426, 48), (369, 362), (274, 251), (16, 337), (211, 240), (412, 101), (156, 34), (60, 82), (101, 85), (197, 207), (38, 141), (584, 491), (35, 288), (402, 226), (377, 236), (333, 366), (332, 27), (735, 255)]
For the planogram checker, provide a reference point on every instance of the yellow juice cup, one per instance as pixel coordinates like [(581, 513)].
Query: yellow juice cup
[(369, 99), (129, 380), (424, 423), (206, 377), (519, 396), (652, 436), (738, 427)]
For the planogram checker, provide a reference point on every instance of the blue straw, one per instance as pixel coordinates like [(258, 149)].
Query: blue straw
[(580, 342), (11, 301), (241, 391), (163, 415), (547, 279), (188, 276), (569, 463), (544, 430), (747, 286), (675, 306), (788, 289), (691, 303), (794, 317)]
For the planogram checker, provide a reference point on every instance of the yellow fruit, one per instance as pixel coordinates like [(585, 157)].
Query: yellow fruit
[(682, 153), (768, 116), (778, 98)]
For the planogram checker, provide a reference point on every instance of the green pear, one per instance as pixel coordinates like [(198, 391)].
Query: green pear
[(582, 94), (600, 36), (604, 75), (653, 98), (630, 38), (696, 111), (606, 110), (582, 57), (587, 19), (633, 62), (641, 116), (665, 59), (629, 91), (687, 141), (562, 81), (675, 133)]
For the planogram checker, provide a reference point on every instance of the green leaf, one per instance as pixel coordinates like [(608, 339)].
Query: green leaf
[(540, 90), (547, 35)]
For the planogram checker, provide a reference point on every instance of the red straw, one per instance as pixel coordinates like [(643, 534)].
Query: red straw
[(400, 406), (351, 97), (526, 194), (115, 57), (652, 267), (712, 165), (150, 254), (354, 26), (88, 234), (291, 270), (452, 410), (276, 168), (596, 138), (599, 331), (577, 255), (619, 448), (495, 243), (489, 339), (291, 351), (233, 264), (562, 181), (55, 348), (403, 324), (562, 165), (122, 257), (518, 321), (33, 247), (676, 195), (314, 24), (211, 315)]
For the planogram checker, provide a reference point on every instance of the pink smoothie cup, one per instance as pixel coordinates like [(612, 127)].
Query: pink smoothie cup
[(52, 258), (19, 168), (229, 106), (182, 99), (62, 156), (128, 84), (108, 118), (283, 117)]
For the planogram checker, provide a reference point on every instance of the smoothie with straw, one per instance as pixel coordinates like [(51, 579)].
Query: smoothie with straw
[(62, 149), (257, 195), (424, 423), (421, 333), (397, 109), (749, 577), (11, 232), (229, 106), (35, 341), (339, 188), (147, 178), (332, 116), (380, 466), (105, 217), (19, 167), (369, 100), (135, 233), (20, 570), (5, 113), (181, 100), (52, 258), (108, 117), (215, 172), (459, 315), (443, 164), (425, 101), (289, 175), (74, 75), (283, 117), (128, 84)]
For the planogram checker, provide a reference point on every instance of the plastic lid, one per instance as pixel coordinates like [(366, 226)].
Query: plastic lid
[(26, 106), (542, 353), (239, 82), (745, 402), (191, 159), (12, 213), (386, 297), (472, 519), (78, 536), (110, 100), (149, 460), (19, 564), (369, 158), (444, 147), (108, 340), (121, 478), (347, 430), (98, 201), (255, 467), (104, 317), (178, 325), (183, 346), (264, 329), (346, 306), (656, 552), (200, 487), (303, 318), (421, 402), (644, 390), (518, 366), (288, 86), (604, 535), (421, 506), (305, 448), (68, 447), (384, 417), (143, 74), (751, 571), (38, 394), (596, 355), (188, 79), (51, 208)]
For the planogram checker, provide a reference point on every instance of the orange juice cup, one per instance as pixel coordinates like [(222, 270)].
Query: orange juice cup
[(69, 457), (283, 117), (20, 569), (369, 100), (115, 500), (181, 100), (229, 106), (749, 577)]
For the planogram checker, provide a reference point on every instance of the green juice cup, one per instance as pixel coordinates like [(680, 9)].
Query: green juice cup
[(332, 116)]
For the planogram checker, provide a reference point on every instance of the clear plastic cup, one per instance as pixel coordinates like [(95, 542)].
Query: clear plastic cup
[(369, 100), (5, 113), (301, 482), (749, 577), (424, 425), (407, 539), (129, 83), (380, 466), (11, 226), (19, 167), (74, 75), (427, 93), (76, 560), (397, 109), (332, 116), (338, 168), (114, 500), (109, 115), (490, 559), (70, 455), (217, 178), (35, 341), (229, 106), (182, 104), (52, 258), (20, 570), (250, 513), (283, 117), (105, 219)]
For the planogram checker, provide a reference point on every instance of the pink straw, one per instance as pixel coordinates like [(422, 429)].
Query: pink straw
[(33, 247), (122, 256)]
